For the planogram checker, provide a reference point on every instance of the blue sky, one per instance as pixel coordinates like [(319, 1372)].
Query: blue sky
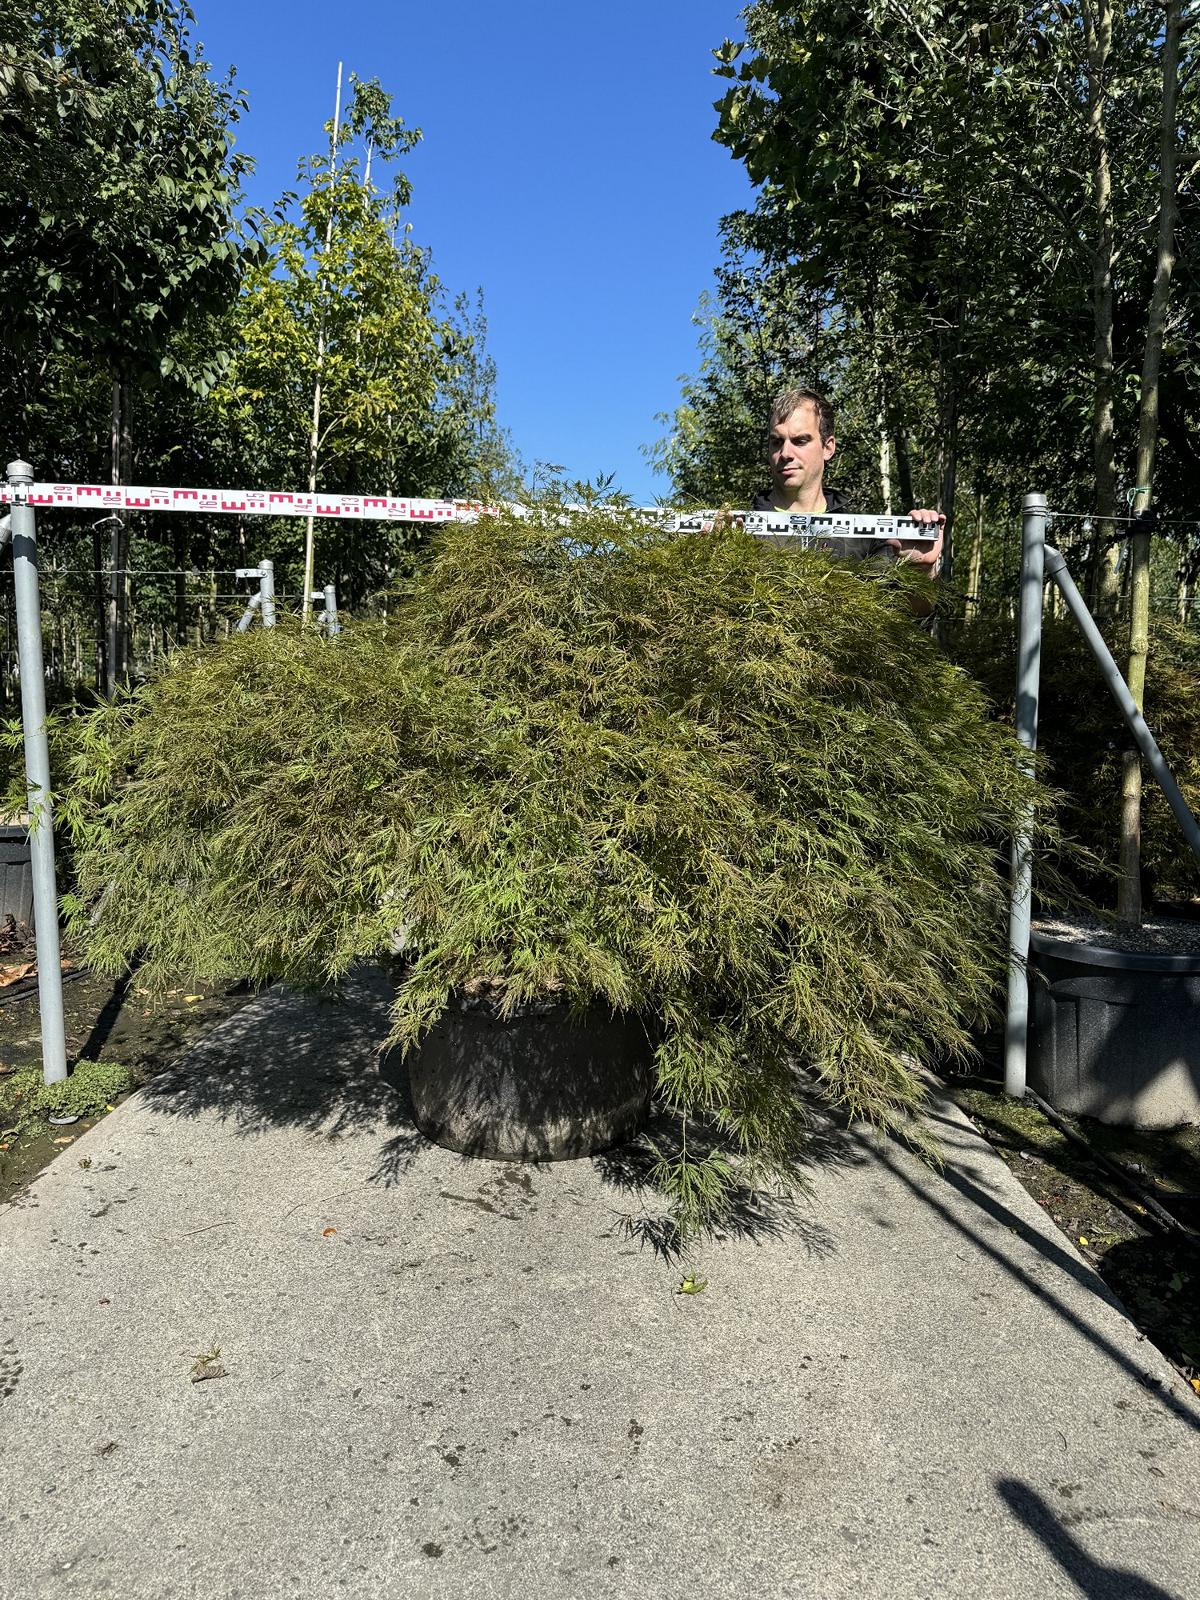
[(567, 168)]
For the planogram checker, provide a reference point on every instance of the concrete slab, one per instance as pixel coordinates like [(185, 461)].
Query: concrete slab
[(454, 1378)]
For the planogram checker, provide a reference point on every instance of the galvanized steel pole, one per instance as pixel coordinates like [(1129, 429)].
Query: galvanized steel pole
[(266, 588), (248, 615), (1029, 668), (332, 625), (37, 772)]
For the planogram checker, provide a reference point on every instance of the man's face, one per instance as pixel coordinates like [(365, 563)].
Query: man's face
[(796, 454)]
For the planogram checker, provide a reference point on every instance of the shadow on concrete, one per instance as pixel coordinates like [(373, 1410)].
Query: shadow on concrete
[(314, 1063), (1094, 1580), (303, 1061), (967, 1181), (747, 1212)]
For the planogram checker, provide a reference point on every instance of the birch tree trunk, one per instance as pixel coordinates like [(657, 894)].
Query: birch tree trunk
[(885, 461)]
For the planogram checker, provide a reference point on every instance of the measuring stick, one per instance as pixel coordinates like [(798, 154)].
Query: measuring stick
[(780, 527)]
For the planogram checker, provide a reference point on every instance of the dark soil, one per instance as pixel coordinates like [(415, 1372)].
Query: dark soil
[(105, 1021), (1153, 1269)]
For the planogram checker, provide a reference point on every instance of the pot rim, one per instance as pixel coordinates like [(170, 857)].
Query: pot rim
[(1095, 955)]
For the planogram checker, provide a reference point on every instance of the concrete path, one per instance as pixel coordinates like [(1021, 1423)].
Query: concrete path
[(447, 1378)]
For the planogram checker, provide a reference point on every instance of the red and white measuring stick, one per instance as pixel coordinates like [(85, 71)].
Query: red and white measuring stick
[(778, 526), (245, 502)]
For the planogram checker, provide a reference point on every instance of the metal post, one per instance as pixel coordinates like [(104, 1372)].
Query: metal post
[(264, 600), (248, 615), (332, 625), (1056, 568), (1029, 668), (266, 588), (37, 773)]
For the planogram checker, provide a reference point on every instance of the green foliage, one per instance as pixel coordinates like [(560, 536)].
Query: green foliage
[(1082, 737), (91, 1088), (927, 180), (119, 188), (730, 789), (343, 294), (767, 330), (221, 332)]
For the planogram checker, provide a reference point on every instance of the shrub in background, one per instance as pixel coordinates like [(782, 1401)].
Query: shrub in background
[(734, 790), (1082, 736)]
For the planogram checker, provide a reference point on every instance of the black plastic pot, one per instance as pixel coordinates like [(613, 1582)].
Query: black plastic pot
[(16, 874), (1115, 1034), (541, 1086)]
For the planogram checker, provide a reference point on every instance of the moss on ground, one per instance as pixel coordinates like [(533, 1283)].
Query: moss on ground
[(91, 1087)]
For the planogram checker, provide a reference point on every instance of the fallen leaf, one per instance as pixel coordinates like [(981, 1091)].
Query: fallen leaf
[(692, 1284), (190, 999), (1082, 1240), (325, 1234), (1195, 1383), (209, 1369), (67, 1138)]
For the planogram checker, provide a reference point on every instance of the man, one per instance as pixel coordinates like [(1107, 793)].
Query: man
[(800, 440)]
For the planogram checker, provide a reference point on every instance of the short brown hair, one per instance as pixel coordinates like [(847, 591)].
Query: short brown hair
[(791, 399)]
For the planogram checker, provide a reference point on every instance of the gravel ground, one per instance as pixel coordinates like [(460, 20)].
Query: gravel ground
[(1169, 936)]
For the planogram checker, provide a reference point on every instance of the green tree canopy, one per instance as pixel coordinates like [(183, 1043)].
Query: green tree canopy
[(119, 192)]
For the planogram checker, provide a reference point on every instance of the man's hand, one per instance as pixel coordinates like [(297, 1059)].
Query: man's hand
[(922, 555)]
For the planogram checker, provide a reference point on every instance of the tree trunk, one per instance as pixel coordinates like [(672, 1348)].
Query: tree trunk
[(1097, 30), (179, 548), (1129, 889), (948, 439), (975, 567), (885, 462), (101, 620), (121, 449), (1189, 566), (903, 462), (116, 557), (314, 437)]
